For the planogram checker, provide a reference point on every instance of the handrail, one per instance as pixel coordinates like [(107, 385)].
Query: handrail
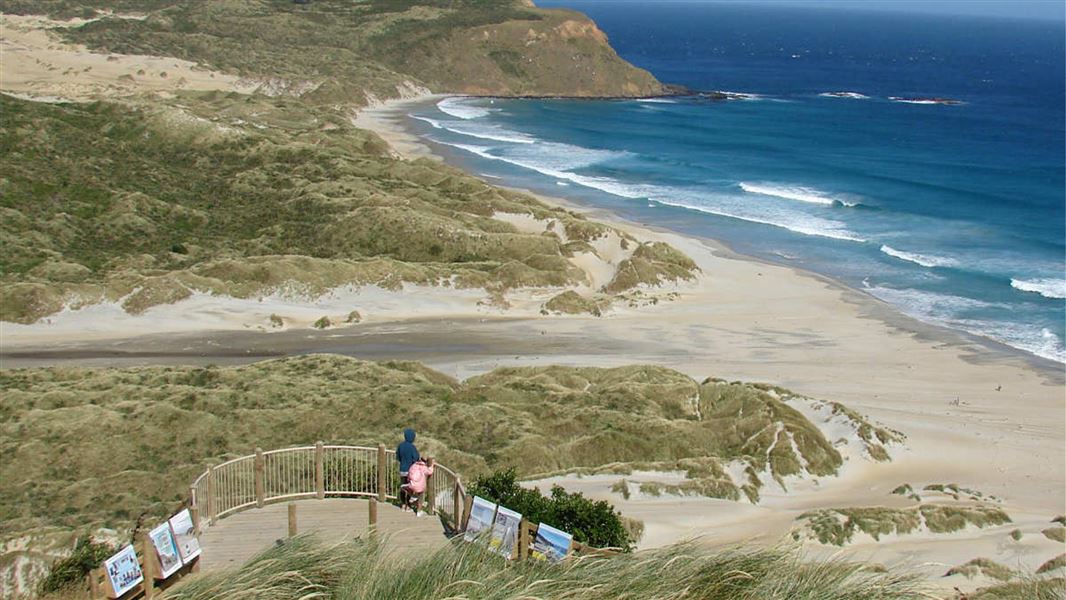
[(321, 471), (317, 471)]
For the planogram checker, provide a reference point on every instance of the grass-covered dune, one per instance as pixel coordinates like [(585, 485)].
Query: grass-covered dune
[(838, 526), (339, 51), (245, 195), (363, 570), (88, 448)]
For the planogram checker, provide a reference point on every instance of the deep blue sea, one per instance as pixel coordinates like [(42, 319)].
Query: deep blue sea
[(955, 213)]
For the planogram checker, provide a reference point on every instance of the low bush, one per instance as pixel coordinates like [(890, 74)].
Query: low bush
[(72, 570), (590, 522)]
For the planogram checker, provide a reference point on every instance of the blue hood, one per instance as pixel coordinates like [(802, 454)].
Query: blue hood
[(409, 435)]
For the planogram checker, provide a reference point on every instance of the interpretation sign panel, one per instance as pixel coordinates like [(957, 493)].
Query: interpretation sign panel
[(124, 570), (166, 549), (481, 513), (185, 535)]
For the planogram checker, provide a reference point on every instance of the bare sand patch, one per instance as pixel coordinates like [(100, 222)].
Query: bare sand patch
[(38, 64)]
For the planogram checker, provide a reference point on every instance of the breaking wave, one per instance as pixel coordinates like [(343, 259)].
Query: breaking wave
[(462, 108), (1046, 287), (797, 193), (557, 160), (925, 260)]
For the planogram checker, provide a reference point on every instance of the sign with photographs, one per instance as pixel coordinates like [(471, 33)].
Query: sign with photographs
[(481, 514), (166, 549), (551, 544), (185, 536), (124, 570), (504, 538)]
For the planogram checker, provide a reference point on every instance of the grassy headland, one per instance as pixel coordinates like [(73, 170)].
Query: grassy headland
[(335, 51)]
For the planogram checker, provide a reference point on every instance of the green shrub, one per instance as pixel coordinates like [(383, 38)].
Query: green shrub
[(590, 522), (72, 570)]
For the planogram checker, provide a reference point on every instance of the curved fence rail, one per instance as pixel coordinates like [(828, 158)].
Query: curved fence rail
[(318, 471)]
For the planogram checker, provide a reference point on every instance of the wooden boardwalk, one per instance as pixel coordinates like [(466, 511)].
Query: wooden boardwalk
[(231, 541)]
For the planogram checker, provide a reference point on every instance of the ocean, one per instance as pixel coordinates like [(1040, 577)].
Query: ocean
[(829, 154)]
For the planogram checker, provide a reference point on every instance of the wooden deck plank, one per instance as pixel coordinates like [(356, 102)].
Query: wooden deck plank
[(233, 540)]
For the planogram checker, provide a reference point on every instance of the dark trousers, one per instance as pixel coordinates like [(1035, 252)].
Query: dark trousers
[(403, 490)]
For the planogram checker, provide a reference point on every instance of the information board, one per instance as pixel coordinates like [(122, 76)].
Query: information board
[(124, 570), (185, 536), (166, 549)]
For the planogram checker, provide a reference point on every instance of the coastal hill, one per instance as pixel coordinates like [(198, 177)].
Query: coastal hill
[(336, 51)]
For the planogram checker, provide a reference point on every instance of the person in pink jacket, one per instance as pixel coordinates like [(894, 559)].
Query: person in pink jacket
[(417, 481)]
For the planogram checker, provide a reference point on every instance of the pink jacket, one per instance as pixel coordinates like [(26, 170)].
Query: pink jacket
[(417, 476)]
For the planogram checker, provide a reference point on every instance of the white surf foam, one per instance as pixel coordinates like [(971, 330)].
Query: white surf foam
[(557, 160), (925, 260), (794, 192), (849, 95), (943, 309), (657, 100), (435, 123), (1046, 287), (462, 108), (484, 132)]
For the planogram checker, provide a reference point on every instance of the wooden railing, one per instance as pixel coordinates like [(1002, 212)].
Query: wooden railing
[(318, 471)]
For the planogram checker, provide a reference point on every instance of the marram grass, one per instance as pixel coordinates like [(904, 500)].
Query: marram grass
[(380, 570)]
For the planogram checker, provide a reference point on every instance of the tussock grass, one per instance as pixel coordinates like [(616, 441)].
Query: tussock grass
[(838, 526), (367, 571), (1059, 562), (301, 567), (982, 566), (1028, 588)]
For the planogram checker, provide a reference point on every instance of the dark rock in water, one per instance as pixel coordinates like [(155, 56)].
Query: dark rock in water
[(718, 95)]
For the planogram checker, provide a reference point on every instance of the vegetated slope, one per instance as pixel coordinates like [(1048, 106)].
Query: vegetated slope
[(85, 448), (341, 51), (364, 570), (244, 195)]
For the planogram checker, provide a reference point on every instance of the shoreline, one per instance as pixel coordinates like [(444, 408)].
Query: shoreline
[(387, 121)]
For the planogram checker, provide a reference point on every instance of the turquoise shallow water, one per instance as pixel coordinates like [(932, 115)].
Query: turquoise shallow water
[(953, 213)]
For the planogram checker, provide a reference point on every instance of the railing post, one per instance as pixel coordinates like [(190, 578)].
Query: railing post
[(372, 509), (260, 471), (381, 472), (457, 504), (148, 565), (210, 495), (292, 519), (523, 539), (320, 472), (431, 496), (468, 505), (94, 584), (194, 509)]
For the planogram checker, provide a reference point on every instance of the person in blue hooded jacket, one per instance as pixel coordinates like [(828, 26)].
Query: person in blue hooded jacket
[(406, 455)]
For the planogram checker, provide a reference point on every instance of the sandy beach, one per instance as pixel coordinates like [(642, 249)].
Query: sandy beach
[(981, 416)]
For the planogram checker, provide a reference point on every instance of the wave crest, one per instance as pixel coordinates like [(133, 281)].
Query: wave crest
[(1046, 287), (462, 108), (794, 192), (925, 260)]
